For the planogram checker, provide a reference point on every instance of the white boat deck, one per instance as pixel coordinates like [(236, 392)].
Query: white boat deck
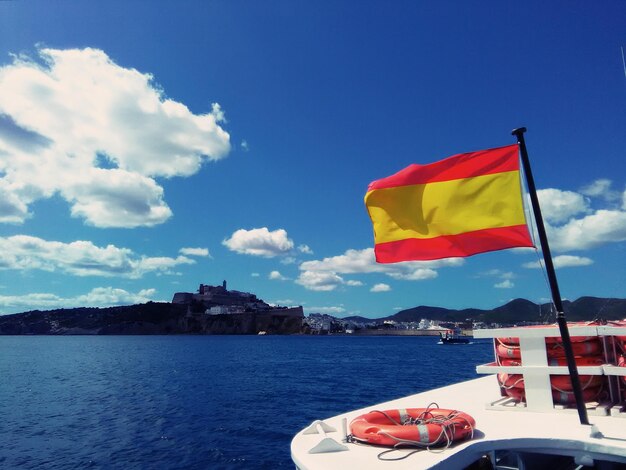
[(554, 432), (529, 432)]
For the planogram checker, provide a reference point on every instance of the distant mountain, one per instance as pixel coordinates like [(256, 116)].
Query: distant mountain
[(167, 318), (415, 314), (518, 310), (359, 319), (523, 310), (610, 309)]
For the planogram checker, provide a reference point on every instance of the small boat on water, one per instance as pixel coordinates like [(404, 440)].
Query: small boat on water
[(453, 337)]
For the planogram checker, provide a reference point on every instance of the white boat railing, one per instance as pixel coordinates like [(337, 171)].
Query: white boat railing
[(536, 370)]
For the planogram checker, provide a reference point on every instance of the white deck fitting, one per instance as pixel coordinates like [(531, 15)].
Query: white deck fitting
[(500, 424)]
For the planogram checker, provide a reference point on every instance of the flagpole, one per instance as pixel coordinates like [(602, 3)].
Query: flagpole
[(554, 286)]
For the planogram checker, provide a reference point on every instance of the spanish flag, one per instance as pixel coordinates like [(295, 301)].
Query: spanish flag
[(466, 204)]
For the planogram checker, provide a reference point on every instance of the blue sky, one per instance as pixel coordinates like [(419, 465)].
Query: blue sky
[(148, 147)]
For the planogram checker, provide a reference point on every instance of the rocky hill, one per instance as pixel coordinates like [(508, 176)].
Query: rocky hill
[(145, 319), (516, 311)]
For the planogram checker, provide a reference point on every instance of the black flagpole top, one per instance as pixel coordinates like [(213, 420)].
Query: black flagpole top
[(519, 131)]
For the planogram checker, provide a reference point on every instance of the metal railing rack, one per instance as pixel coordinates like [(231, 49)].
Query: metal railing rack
[(536, 370)]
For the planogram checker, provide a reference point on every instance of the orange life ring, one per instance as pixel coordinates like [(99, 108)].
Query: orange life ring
[(563, 398), (557, 361), (508, 352), (588, 348), (509, 362), (554, 350), (509, 340), (507, 381), (580, 361), (558, 382), (418, 426), (514, 341)]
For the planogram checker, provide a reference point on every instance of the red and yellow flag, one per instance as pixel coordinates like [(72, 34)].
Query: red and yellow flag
[(466, 204)]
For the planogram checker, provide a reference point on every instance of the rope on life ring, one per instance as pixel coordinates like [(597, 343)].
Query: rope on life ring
[(420, 428)]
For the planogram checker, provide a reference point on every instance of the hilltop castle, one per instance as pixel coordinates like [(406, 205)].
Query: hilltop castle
[(217, 300), (217, 310)]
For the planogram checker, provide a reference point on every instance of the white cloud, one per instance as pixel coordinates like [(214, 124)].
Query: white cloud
[(305, 249), (364, 262), (319, 281), (599, 228), (497, 273), (245, 146), (116, 198), (80, 258), (562, 261), (601, 188), (353, 283), (202, 252), (13, 209), (326, 310), (559, 206), (78, 125), (595, 217), (102, 296), (381, 288), (218, 113), (420, 274), (98, 297), (277, 276), (506, 284), (259, 242), (524, 250), (534, 264)]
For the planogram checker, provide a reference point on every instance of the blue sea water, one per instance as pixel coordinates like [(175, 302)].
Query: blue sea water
[(199, 402)]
